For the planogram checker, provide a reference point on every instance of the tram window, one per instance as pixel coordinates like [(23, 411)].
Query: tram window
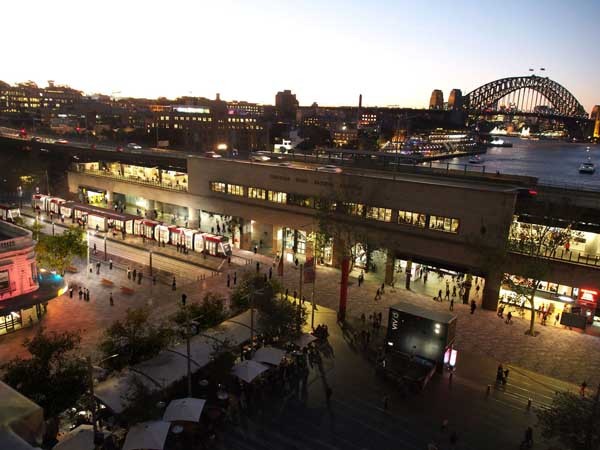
[(446, 224)]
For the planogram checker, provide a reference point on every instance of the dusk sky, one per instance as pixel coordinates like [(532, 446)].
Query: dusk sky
[(393, 52)]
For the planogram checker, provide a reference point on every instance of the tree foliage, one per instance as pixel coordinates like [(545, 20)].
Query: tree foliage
[(57, 252), (573, 420), (53, 377), (207, 314), (134, 339)]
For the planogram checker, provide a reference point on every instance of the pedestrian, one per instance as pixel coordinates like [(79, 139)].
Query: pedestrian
[(257, 267), (295, 294), (473, 306), (94, 248), (452, 304), (582, 389), (454, 291), (80, 293), (71, 292), (377, 295), (499, 373), (382, 288), (98, 264), (228, 280), (265, 278), (509, 318), (453, 439), (111, 301), (255, 249), (87, 295), (505, 377), (110, 264), (556, 319), (328, 394), (234, 278), (173, 284), (439, 296), (140, 275), (361, 279), (425, 276), (447, 293), (183, 299), (296, 262), (134, 274), (270, 272), (154, 280)]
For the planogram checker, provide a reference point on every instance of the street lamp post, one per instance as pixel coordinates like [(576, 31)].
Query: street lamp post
[(87, 268), (150, 261), (53, 228), (105, 256)]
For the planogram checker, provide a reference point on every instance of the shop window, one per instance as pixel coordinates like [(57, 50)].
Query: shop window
[(382, 214), (257, 193), (217, 186), (235, 189), (277, 197), (411, 218), (446, 224)]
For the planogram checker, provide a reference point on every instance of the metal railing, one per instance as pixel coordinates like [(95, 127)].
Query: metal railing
[(131, 179), (571, 256)]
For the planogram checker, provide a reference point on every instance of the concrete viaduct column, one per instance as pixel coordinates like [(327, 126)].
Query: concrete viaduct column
[(491, 291), (389, 268)]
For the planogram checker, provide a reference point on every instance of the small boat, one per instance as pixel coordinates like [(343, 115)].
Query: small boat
[(587, 167), (496, 142), (475, 159)]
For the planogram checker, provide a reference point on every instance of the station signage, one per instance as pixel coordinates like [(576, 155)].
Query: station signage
[(588, 297)]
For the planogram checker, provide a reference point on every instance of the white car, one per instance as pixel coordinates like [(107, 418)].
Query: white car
[(260, 157), (134, 146), (329, 168), (212, 155), (61, 141)]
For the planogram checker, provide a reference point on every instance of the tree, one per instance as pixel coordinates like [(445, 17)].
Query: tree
[(541, 243), (573, 420), (207, 314), (57, 252), (135, 339), (53, 377)]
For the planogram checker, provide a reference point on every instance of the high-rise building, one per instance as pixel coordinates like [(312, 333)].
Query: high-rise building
[(595, 116), (437, 99), (286, 106), (455, 100)]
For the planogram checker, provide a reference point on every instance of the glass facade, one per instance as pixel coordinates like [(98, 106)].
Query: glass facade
[(446, 224), (411, 218)]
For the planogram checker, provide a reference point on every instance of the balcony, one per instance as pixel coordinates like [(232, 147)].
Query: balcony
[(572, 256), (161, 184)]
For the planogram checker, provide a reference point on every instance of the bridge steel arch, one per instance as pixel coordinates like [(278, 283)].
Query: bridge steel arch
[(485, 97)]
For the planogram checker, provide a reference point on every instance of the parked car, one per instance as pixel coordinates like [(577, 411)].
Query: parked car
[(61, 141), (134, 146), (329, 168)]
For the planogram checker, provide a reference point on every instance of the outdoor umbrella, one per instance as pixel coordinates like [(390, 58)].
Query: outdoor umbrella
[(248, 370), (269, 355), (185, 409), (80, 438), (147, 435), (304, 340)]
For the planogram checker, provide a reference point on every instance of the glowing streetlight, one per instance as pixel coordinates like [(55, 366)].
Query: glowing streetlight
[(222, 147)]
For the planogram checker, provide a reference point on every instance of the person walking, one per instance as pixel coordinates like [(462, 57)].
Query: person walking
[(473, 306), (454, 290), (377, 295), (71, 292), (452, 304), (140, 275), (234, 278), (582, 389), (257, 267), (94, 251), (173, 284), (509, 318), (98, 264), (110, 300), (228, 280), (128, 273), (134, 274), (447, 292), (382, 289), (439, 296), (328, 394), (80, 293), (183, 299), (110, 264)]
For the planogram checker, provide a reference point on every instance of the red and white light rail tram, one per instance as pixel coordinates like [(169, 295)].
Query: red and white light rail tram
[(103, 219)]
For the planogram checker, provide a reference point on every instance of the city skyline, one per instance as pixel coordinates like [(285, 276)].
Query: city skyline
[(333, 53)]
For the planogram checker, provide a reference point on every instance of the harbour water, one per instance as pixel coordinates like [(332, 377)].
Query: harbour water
[(552, 162)]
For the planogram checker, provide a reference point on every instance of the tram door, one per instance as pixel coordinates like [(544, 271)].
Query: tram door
[(211, 247)]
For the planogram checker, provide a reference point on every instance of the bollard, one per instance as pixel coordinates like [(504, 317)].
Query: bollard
[(528, 403), (489, 389)]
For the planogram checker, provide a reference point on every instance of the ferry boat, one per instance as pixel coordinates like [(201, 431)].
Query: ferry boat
[(475, 159), (496, 142)]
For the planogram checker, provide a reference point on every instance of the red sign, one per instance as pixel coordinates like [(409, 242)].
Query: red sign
[(588, 297)]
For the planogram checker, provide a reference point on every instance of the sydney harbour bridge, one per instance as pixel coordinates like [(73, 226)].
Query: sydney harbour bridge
[(522, 99)]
